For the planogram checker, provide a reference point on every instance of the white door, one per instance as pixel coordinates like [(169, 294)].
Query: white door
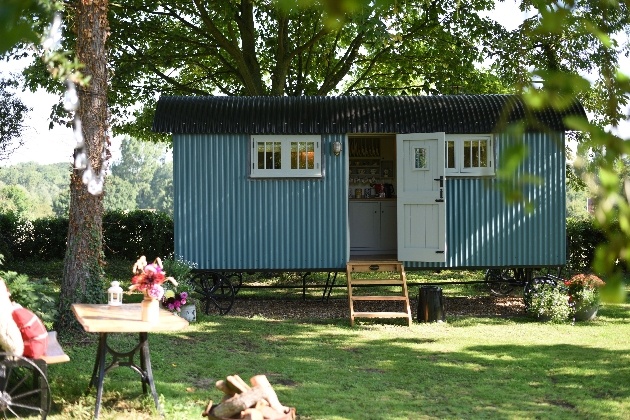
[(421, 194)]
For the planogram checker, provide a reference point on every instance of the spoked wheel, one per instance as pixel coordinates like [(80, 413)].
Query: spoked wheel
[(24, 390), (501, 282), (215, 290), (236, 280)]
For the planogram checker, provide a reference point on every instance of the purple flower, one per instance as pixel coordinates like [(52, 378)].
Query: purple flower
[(155, 291)]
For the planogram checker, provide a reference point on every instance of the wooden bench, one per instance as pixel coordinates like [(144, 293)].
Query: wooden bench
[(54, 352)]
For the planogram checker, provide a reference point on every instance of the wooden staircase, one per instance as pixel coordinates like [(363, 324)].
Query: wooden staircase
[(370, 274)]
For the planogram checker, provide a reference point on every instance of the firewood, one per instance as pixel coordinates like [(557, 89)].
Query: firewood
[(252, 414), (262, 403), (222, 385), (271, 414), (239, 402), (237, 384), (206, 413), (270, 394)]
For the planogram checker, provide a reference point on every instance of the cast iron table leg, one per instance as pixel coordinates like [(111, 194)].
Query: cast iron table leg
[(145, 364), (123, 359), (98, 374)]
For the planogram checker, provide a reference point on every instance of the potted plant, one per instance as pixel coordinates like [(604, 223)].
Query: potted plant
[(547, 302), (180, 299), (180, 303), (583, 290)]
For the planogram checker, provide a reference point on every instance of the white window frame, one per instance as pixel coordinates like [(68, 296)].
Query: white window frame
[(285, 170), (459, 141)]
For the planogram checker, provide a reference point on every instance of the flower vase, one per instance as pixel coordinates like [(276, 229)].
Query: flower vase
[(150, 309)]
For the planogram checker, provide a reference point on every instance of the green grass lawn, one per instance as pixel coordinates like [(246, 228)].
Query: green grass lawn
[(467, 367), (464, 368)]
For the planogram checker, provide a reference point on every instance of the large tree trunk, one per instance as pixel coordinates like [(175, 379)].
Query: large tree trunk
[(82, 276)]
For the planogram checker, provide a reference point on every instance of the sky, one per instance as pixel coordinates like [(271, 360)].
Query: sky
[(41, 144), (46, 146)]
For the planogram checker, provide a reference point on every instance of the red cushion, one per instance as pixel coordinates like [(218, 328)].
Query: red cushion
[(33, 332)]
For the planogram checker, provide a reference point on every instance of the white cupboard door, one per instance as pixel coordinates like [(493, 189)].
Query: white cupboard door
[(364, 225)]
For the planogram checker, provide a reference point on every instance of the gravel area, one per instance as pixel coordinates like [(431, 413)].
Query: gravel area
[(312, 308)]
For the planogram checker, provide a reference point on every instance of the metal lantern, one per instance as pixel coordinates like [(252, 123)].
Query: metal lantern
[(115, 294), (336, 148)]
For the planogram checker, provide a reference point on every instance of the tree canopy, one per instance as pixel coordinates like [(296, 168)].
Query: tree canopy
[(242, 47), (12, 117)]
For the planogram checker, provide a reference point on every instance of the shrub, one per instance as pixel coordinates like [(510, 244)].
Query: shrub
[(548, 302), (31, 295), (585, 299), (583, 237), (178, 268), (583, 291), (49, 238), (129, 235)]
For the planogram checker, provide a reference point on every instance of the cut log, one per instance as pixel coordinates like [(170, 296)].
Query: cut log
[(270, 395), (206, 413), (237, 384), (222, 385), (239, 402), (271, 414), (252, 414)]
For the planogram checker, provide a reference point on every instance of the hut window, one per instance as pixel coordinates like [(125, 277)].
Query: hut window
[(420, 158), (285, 156), (469, 155)]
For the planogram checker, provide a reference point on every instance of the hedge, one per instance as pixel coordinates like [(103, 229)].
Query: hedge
[(583, 237), (126, 235)]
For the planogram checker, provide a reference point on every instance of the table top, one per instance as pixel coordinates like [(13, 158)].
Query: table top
[(124, 318)]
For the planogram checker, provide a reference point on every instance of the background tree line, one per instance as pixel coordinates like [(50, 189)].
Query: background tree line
[(141, 179)]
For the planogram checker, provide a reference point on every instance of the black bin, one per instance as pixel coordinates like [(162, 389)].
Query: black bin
[(430, 304)]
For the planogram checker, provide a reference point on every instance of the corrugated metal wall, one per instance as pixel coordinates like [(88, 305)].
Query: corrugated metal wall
[(484, 230), (226, 221)]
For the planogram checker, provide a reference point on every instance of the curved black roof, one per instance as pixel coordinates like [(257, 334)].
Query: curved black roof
[(457, 114)]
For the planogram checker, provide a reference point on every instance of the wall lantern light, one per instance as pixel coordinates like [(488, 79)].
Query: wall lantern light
[(336, 148), (115, 294)]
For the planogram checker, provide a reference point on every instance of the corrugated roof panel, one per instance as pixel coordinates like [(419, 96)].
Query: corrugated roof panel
[(345, 114)]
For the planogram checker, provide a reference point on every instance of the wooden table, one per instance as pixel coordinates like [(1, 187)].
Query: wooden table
[(105, 319)]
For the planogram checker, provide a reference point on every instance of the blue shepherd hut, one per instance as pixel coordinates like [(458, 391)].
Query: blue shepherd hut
[(310, 183)]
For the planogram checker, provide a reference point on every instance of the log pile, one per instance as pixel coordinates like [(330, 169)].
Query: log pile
[(242, 401)]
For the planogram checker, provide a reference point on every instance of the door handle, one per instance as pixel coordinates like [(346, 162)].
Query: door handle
[(441, 179)]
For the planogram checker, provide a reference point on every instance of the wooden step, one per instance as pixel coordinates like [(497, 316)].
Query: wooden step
[(354, 297), (376, 282), (374, 266), (381, 315), (385, 270)]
